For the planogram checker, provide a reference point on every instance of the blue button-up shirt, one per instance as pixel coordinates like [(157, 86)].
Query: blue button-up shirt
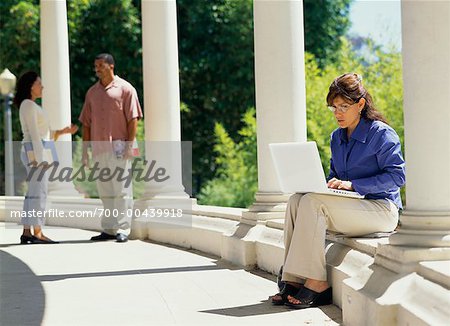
[(371, 159)]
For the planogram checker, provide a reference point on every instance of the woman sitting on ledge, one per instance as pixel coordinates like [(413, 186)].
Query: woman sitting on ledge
[(365, 157)]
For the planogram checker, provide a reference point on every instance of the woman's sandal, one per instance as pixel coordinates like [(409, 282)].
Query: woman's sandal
[(288, 289), (309, 298)]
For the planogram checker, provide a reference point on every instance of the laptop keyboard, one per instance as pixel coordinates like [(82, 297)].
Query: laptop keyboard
[(343, 192)]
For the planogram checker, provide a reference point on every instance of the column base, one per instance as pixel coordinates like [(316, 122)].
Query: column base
[(267, 206), (170, 197), (166, 193), (423, 229), (167, 200), (423, 236), (403, 259), (162, 212)]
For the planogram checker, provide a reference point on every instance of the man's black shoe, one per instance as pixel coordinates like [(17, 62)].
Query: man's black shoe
[(103, 237), (120, 237)]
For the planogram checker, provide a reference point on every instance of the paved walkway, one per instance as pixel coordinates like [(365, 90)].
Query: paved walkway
[(78, 282)]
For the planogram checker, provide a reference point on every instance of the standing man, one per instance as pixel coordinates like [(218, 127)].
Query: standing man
[(110, 113)]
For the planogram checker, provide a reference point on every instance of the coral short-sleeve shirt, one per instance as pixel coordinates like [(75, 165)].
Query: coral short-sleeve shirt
[(107, 110)]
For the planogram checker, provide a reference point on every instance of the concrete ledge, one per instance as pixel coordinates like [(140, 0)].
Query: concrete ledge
[(437, 271), (343, 262), (390, 257), (10, 203), (240, 243), (229, 213), (365, 245), (201, 233), (388, 298), (276, 223)]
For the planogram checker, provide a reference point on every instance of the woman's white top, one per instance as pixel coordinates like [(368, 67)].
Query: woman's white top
[(35, 126)]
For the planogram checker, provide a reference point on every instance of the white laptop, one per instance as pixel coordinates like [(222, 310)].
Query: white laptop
[(299, 169)]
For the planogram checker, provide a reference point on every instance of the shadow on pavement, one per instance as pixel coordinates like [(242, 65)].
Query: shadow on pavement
[(22, 296), (7, 245), (266, 308), (263, 308), (50, 278)]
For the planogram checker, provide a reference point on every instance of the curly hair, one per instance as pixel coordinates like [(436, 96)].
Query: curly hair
[(350, 87), (23, 88)]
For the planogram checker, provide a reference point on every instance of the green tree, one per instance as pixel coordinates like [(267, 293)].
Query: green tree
[(94, 26), (325, 23), (20, 44), (216, 72), (19, 52), (97, 26), (19, 36), (215, 51), (237, 175), (217, 63)]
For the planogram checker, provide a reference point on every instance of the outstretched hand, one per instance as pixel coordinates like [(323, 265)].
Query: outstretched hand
[(67, 130), (73, 128)]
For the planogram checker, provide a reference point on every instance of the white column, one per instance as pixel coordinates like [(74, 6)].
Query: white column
[(419, 252), (280, 94), (162, 95), (426, 74), (56, 80)]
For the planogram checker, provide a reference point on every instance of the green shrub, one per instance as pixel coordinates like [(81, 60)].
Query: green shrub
[(236, 181)]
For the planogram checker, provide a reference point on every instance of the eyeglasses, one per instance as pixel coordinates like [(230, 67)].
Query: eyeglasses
[(341, 108)]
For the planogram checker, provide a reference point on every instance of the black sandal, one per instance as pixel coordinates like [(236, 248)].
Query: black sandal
[(288, 289), (309, 298)]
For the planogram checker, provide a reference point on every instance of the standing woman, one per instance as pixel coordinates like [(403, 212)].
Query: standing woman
[(365, 157), (35, 129)]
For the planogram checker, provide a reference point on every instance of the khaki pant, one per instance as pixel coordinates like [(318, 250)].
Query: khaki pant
[(308, 216), (116, 198)]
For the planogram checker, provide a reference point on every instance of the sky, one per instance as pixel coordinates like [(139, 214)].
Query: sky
[(380, 19)]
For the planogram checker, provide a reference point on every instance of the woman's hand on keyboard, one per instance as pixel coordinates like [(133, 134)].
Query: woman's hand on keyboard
[(339, 184)]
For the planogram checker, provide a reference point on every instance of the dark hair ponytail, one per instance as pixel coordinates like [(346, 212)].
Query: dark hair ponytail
[(349, 86), (23, 88)]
